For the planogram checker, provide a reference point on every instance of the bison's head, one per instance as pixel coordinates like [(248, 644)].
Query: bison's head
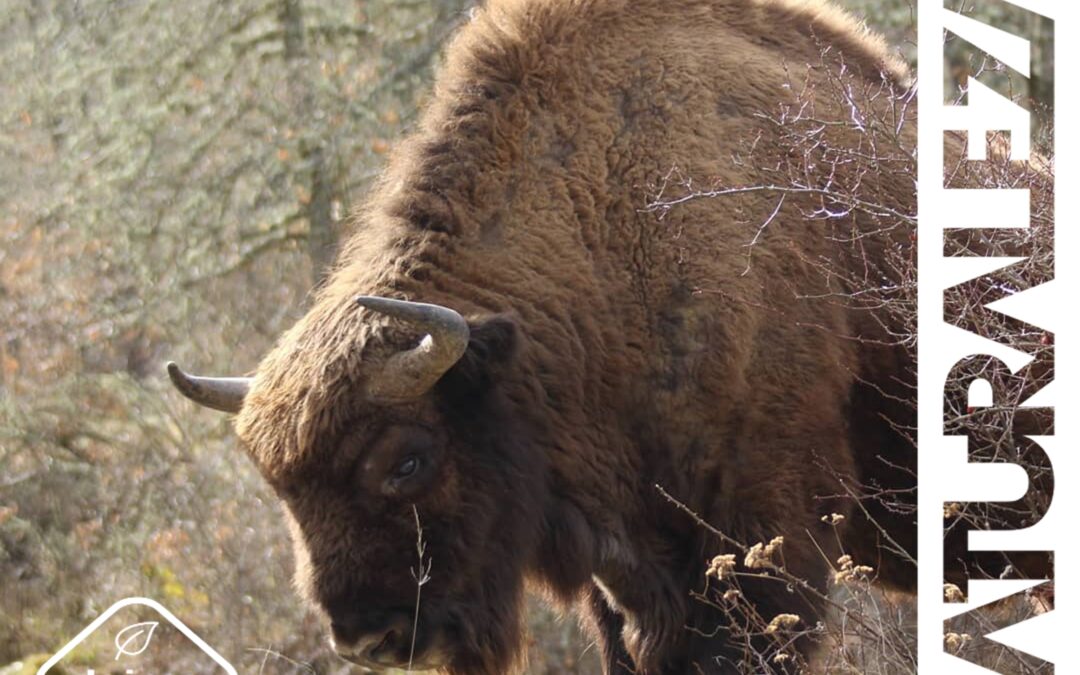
[(385, 431)]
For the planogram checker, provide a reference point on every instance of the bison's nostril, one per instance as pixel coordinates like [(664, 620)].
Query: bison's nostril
[(389, 643)]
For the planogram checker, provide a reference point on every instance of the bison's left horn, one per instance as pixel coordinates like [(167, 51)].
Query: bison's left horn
[(220, 393), (410, 374)]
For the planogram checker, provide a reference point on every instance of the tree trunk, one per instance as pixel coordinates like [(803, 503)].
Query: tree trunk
[(319, 172)]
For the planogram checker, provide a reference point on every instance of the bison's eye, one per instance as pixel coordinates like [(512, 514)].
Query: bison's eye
[(406, 467), (402, 463)]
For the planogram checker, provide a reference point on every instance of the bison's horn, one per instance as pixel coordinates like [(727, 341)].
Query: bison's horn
[(411, 373), (220, 393)]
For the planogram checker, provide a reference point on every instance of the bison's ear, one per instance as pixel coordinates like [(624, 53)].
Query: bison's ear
[(492, 343)]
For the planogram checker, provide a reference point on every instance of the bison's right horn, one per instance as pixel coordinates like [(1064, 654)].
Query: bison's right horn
[(220, 393), (411, 373)]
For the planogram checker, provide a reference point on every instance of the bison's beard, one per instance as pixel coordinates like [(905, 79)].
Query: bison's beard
[(496, 530), (481, 613), (489, 645)]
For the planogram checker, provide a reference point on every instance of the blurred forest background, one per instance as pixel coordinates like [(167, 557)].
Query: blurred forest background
[(174, 177)]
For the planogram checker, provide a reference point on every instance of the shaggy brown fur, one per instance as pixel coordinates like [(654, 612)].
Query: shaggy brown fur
[(595, 372)]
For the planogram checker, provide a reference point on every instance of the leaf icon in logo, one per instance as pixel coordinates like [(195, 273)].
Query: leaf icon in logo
[(134, 639)]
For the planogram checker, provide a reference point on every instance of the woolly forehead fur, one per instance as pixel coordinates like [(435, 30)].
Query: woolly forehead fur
[(446, 183)]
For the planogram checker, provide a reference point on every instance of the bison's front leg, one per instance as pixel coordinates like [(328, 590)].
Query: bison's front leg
[(607, 625)]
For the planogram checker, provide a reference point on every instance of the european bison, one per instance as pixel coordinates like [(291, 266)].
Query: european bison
[(512, 353)]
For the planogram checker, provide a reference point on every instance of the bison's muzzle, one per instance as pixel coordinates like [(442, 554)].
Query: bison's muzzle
[(384, 639)]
